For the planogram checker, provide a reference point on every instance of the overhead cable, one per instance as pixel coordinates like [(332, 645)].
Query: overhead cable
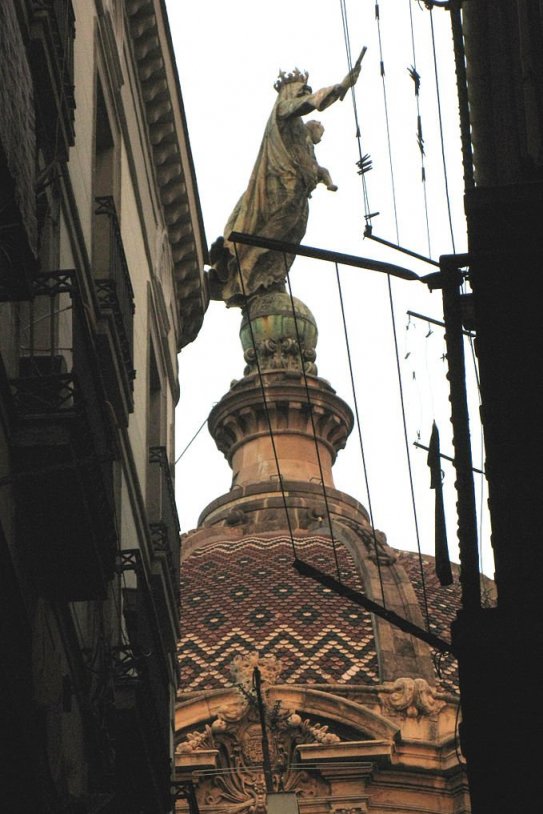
[(265, 403), (420, 140), (364, 163), (393, 320), (312, 417), (359, 429)]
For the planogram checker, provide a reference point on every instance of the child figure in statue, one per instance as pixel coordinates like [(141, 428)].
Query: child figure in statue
[(314, 133), (275, 204)]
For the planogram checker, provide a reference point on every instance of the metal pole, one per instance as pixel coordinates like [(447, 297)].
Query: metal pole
[(466, 505), (268, 778)]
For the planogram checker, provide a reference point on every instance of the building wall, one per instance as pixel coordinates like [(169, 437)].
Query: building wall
[(89, 537)]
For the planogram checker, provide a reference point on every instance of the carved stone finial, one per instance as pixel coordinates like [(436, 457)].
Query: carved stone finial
[(238, 719)]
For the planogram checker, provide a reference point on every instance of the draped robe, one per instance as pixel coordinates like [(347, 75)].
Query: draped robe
[(275, 203)]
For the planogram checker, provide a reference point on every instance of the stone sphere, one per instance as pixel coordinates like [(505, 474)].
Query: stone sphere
[(272, 318)]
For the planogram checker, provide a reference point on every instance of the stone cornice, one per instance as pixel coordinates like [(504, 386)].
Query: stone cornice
[(172, 159)]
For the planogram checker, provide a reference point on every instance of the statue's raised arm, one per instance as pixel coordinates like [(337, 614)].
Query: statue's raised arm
[(275, 204)]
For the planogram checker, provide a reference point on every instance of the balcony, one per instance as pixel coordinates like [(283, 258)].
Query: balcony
[(142, 711), (52, 34), (165, 531), (116, 302), (62, 447), (17, 164), (142, 770)]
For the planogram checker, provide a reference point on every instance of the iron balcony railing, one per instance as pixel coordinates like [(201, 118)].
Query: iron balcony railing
[(55, 360), (63, 31), (52, 35), (112, 279), (162, 511), (58, 365), (62, 444), (141, 722)]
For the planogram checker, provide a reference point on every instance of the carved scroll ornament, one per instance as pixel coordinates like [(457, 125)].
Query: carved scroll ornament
[(413, 697)]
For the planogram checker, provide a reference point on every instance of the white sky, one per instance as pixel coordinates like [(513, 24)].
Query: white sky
[(228, 56)]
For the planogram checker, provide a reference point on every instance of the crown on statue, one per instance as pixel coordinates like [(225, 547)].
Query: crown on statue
[(286, 78)]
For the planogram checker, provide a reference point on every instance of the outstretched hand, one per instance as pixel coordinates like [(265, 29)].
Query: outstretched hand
[(353, 75)]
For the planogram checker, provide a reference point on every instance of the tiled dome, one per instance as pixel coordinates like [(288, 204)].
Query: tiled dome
[(245, 596), (241, 596), (280, 431)]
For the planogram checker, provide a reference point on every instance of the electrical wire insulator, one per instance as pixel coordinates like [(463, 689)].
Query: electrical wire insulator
[(364, 164), (415, 76)]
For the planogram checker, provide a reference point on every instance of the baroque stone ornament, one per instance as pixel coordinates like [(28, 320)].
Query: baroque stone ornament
[(275, 203), (242, 670), (377, 546), (412, 696), (278, 333), (236, 517), (197, 741), (236, 734), (280, 354), (239, 785), (375, 542)]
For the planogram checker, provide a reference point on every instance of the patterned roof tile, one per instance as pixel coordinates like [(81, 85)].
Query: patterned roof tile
[(237, 597), (241, 596)]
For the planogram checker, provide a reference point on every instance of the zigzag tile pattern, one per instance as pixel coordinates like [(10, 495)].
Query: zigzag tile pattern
[(443, 604), (237, 597)]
